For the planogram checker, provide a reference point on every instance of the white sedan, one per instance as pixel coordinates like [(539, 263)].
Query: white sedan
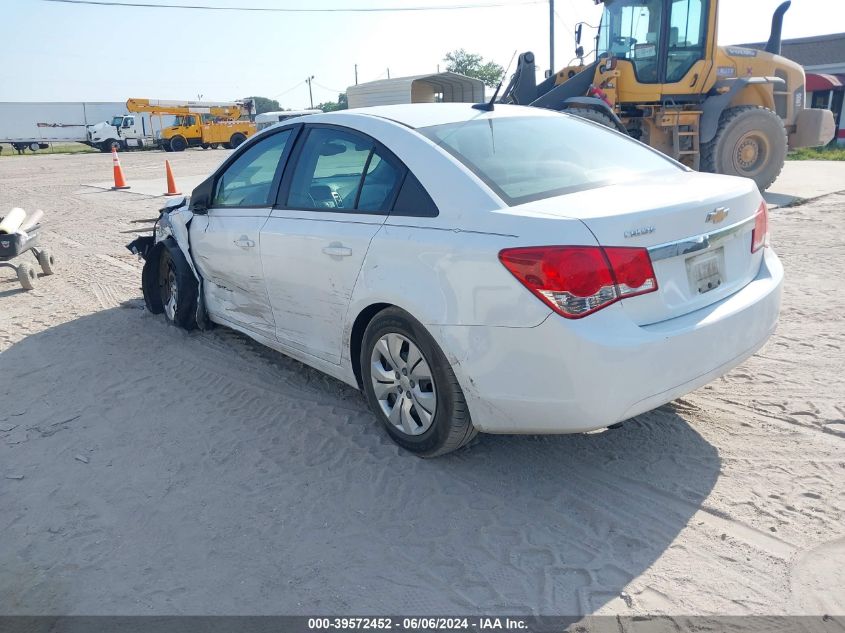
[(506, 271)]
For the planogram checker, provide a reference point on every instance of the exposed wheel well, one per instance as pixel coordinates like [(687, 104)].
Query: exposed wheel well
[(357, 335)]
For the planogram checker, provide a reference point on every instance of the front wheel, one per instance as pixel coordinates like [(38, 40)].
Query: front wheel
[(170, 286), (178, 144), (411, 387)]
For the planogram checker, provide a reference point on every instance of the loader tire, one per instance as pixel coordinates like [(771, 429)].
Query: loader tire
[(750, 142), (592, 115)]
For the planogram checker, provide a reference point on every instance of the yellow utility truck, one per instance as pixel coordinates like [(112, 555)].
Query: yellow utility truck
[(200, 124), (660, 77)]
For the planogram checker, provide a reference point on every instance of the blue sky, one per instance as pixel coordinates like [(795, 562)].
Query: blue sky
[(57, 52)]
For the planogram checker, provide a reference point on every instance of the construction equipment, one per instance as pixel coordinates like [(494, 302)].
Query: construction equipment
[(198, 123), (660, 77)]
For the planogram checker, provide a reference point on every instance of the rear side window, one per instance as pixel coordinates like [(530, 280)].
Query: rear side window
[(380, 182), (413, 200), (535, 157), (329, 170)]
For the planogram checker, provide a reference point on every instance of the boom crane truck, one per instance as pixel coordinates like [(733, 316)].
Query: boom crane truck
[(200, 124), (660, 77)]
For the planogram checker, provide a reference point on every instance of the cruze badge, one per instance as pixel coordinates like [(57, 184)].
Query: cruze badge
[(645, 230), (717, 215)]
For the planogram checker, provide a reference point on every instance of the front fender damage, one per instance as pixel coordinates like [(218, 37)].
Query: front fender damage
[(172, 227)]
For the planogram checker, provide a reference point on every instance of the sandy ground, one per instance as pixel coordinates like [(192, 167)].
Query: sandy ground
[(144, 470)]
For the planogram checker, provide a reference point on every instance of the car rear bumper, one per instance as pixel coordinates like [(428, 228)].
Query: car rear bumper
[(569, 376)]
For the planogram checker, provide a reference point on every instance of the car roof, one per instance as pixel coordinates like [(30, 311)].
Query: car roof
[(418, 115)]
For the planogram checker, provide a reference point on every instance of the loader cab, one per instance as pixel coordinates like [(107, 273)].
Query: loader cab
[(665, 41)]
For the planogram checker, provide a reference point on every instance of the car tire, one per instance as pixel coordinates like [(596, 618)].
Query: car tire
[(27, 276), (169, 285), (178, 144), (237, 139), (419, 400), (47, 261)]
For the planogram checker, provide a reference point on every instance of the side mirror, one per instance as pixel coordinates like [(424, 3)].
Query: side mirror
[(201, 196), (578, 28), (579, 52)]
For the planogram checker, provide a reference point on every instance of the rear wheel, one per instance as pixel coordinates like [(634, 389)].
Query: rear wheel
[(411, 387), (237, 139), (47, 261), (178, 144), (750, 142)]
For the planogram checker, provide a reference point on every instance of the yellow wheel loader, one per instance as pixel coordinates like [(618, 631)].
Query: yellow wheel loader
[(660, 77)]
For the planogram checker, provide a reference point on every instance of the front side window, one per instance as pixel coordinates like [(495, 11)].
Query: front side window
[(329, 170), (630, 29), (534, 157), (687, 27), (248, 181)]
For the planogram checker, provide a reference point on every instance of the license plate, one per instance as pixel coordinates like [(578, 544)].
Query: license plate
[(706, 271)]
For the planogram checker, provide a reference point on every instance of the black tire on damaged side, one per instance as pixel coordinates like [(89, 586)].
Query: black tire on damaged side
[(452, 426), (151, 282)]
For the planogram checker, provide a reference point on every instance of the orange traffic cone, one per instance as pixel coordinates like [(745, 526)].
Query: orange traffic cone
[(171, 183), (119, 180)]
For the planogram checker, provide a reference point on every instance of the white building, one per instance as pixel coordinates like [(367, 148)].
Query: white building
[(438, 87)]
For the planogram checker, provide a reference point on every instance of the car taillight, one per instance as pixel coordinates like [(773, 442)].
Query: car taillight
[(760, 235), (578, 280)]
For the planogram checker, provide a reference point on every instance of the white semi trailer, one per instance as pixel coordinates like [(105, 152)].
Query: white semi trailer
[(35, 125)]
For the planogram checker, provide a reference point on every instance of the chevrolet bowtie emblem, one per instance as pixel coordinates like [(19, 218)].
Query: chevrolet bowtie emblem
[(717, 215)]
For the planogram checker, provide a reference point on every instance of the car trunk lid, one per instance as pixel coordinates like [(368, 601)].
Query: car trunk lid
[(696, 227)]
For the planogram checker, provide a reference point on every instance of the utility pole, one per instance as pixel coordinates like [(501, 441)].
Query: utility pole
[(551, 37), (356, 74), (388, 73), (310, 96)]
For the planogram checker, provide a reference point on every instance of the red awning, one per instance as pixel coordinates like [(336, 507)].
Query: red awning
[(817, 82)]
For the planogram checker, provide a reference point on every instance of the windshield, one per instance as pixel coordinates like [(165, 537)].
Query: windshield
[(630, 30), (534, 157), (117, 121)]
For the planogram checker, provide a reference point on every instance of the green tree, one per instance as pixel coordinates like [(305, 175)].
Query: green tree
[(332, 106), (263, 104), (464, 63)]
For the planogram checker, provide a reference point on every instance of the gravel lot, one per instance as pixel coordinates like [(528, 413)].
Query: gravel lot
[(144, 470)]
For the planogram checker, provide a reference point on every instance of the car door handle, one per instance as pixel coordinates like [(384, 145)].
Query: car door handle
[(337, 250), (244, 242)]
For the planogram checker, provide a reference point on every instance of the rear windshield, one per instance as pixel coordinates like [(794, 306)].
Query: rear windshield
[(534, 157)]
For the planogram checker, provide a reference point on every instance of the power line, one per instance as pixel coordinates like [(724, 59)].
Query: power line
[(291, 89), (203, 7), (329, 89)]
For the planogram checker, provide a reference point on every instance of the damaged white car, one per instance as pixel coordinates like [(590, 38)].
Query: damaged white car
[(505, 271)]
